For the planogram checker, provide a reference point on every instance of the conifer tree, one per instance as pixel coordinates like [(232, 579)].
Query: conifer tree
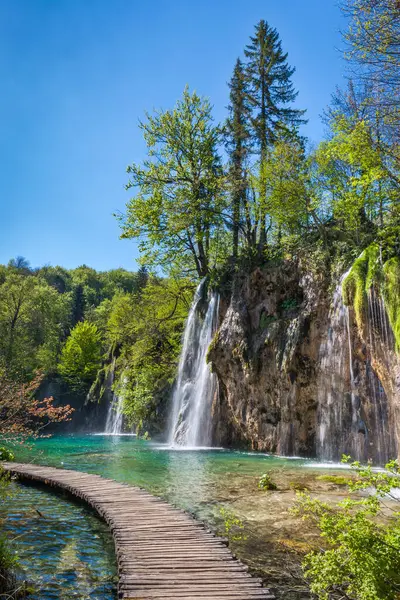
[(270, 93), (238, 147)]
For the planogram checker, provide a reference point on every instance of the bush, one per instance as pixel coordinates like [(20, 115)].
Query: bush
[(361, 559), (6, 454), (266, 483), (233, 526)]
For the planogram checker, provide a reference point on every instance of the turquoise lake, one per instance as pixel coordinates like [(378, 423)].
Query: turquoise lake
[(69, 552)]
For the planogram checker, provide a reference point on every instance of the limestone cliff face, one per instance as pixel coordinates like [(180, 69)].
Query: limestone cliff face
[(289, 380), (265, 355)]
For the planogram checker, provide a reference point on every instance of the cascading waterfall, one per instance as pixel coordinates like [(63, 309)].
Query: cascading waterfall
[(381, 342), (190, 421), (115, 415), (333, 410), (343, 424)]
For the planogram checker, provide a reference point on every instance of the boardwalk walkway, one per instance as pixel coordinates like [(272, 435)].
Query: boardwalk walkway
[(161, 551)]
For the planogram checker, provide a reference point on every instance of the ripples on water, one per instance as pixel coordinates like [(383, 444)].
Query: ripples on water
[(64, 550), (70, 552)]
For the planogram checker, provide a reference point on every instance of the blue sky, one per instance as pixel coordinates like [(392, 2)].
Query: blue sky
[(76, 75)]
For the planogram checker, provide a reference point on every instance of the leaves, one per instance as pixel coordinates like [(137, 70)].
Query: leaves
[(361, 556), (81, 355)]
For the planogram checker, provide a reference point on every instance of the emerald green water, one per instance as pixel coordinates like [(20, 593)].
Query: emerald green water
[(192, 480), (199, 481)]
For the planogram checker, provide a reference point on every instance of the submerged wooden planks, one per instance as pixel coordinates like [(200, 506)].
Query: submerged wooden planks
[(162, 552)]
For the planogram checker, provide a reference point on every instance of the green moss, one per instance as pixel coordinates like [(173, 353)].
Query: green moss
[(212, 346), (368, 271), (391, 294), (365, 272), (336, 479)]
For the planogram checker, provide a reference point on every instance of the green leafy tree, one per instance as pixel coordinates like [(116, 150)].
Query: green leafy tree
[(373, 40), (361, 556), (178, 202), (147, 327), (33, 318), (81, 355)]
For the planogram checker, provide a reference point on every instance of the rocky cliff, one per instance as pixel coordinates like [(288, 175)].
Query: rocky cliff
[(289, 380)]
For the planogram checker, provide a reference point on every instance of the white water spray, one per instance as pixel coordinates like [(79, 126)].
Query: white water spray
[(190, 421), (115, 415)]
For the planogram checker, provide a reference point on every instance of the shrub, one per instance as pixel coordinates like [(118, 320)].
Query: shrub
[(266, 483), (6, 454), (361, 559), (233, 526)]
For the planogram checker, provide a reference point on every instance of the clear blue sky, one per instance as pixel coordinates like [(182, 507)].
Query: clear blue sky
[(76, 75)]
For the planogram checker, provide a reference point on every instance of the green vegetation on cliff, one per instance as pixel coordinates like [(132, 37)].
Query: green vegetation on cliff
[(369, 271)]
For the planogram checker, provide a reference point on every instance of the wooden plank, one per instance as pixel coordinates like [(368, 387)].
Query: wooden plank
[(162, 552)]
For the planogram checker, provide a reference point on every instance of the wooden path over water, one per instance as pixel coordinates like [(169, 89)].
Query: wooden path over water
[(161, 551)]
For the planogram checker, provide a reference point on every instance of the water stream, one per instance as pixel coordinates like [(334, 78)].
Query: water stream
[(190, 419), (115, 416)]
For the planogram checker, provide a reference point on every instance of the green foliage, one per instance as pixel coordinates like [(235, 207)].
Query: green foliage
[(361, 559), (368, 271), (336, 479), (266, 483), (81, 355), (33, 317), (391, 294), (8, 558), (233, 526), (176, 211), (289, 304), (6, 454), (148, 329), (357, 284)]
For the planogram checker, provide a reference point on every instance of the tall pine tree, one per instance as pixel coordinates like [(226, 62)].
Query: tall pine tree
[(238, 148), (270, 93)]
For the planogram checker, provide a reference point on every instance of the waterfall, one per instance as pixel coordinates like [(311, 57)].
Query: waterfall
[(190, 421), (115, 415), (344, 423), (381, 342), (333, 410)]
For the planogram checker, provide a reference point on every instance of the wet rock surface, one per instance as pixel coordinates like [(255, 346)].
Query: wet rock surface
[(296, 377)]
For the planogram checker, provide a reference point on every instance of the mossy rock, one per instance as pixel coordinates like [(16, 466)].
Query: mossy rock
[(367, 272)]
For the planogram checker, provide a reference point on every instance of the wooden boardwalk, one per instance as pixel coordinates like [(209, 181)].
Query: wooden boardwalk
[(161, 551)]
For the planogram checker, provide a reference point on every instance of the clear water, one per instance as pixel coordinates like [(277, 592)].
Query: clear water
[(190, 479), (197, 480), (63, 549)]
